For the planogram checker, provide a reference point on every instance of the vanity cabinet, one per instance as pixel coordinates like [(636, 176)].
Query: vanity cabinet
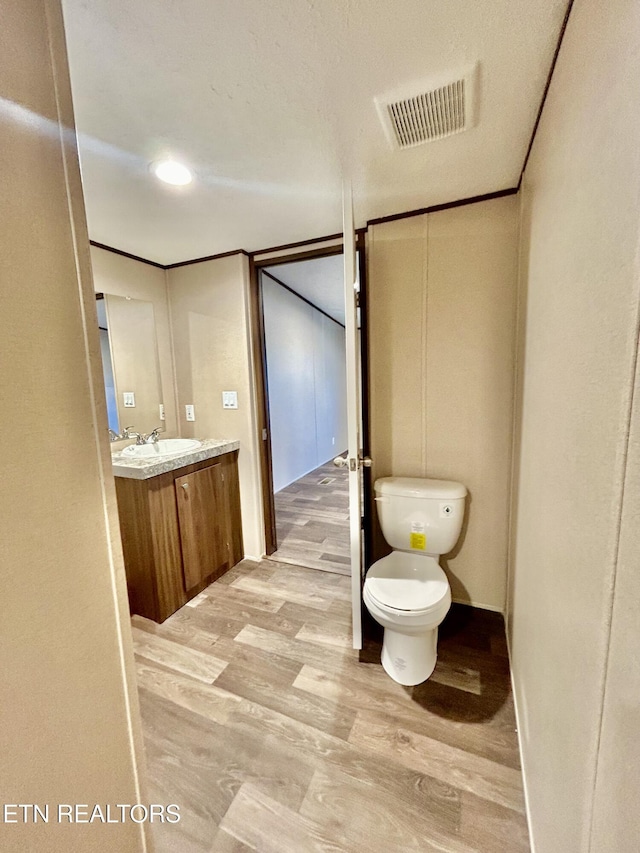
[(180, 531)]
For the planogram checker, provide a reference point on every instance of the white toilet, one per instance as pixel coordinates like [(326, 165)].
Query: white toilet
[(407, 592)]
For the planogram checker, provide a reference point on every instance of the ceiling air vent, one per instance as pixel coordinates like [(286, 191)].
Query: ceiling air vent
[(430, 111)]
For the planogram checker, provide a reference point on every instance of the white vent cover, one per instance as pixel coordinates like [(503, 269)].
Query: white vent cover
[(431, 110)]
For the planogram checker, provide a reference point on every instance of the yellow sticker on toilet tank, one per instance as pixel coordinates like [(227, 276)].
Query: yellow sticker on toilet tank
[(418, 541), (418, 537)]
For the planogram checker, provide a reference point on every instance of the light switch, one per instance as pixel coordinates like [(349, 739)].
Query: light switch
[(129, 400), (161, 407), (229, 399), (191, 412)]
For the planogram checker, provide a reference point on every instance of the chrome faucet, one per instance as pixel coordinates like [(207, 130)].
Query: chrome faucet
[(152, 438), (128, 432)]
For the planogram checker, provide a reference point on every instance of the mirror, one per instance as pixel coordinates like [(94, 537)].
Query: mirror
[(130, 362)]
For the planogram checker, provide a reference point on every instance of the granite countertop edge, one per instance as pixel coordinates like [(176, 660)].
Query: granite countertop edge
[(143, 469)]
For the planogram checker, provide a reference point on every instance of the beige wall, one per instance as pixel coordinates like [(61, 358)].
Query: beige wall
[(442, 291), (616, 817), (574, 589), (69, 724), (121, 276), (210, 322)]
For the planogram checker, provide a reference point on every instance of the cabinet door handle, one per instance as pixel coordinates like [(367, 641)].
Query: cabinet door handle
[(185, 485)]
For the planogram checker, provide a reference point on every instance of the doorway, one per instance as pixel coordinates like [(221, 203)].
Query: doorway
[(303, 346)]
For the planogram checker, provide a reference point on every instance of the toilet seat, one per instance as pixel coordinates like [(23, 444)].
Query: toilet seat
[(406, 583)]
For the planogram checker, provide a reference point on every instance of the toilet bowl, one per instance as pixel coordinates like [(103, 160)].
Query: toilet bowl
[(407, 592), (409, 596)]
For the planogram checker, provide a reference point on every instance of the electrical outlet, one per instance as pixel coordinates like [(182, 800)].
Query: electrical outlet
[(191, 412), (161, 407), (129, 400)]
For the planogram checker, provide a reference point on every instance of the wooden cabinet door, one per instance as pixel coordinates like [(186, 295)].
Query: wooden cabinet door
[(234, 515), (202, 516)]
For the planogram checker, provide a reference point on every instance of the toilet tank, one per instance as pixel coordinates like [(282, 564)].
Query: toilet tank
[(419, 515)]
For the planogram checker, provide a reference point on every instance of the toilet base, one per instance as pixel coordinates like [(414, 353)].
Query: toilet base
[(409, 659)]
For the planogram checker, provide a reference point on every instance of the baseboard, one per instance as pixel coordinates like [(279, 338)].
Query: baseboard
[(527, 807), (479, 605)]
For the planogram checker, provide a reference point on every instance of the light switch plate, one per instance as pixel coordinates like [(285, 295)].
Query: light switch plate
[(191, 412), (229, 399), (161, 407), (129, 400)]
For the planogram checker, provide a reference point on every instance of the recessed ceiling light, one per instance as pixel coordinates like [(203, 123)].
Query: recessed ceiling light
[(172, 172)]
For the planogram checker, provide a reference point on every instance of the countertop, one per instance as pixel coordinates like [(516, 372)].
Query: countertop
[(142, 469)]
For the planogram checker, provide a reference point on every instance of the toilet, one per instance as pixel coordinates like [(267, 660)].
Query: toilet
[(407, 592)]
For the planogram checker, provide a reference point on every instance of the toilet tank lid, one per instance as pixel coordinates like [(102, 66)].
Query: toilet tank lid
[(413, 487)]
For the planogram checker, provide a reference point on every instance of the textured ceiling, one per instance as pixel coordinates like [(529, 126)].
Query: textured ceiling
[(270, 103)]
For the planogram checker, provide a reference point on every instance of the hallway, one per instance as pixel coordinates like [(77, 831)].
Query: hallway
[(312, 520)]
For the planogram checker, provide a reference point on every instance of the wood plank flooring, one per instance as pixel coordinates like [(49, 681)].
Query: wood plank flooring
[(312, 520), (263, 726)]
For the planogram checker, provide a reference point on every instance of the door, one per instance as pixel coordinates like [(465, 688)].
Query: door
[(354, 414), (202, 518)]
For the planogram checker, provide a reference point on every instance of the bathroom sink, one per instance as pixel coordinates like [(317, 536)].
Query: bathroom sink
[(164, 447)]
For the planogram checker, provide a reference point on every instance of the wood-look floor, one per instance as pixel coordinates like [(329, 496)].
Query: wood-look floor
[(312, 520), (271, 736)]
